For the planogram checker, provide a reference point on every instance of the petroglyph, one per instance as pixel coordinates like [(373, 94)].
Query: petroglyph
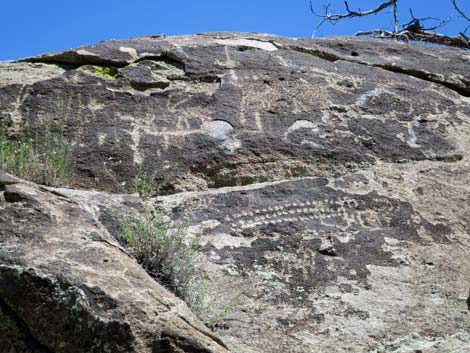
[(301, 124), (362, 100), (101, 138), (217, 129), (136, 136), (259, 123), (340, 212), (222, 131)]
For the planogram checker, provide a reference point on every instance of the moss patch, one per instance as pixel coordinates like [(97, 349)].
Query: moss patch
[(109, 72)]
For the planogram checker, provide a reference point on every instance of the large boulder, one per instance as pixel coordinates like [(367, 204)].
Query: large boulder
[(328, 179), (66, 285)]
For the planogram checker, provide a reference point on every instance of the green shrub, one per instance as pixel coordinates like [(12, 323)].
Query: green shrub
[(148, 185), (167, 255), (48, 162)]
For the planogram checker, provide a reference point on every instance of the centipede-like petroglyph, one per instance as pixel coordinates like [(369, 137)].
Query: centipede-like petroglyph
[(343, 211)]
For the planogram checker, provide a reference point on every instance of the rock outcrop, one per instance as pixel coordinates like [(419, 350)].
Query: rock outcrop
[(328, 178), (66, 285), (224, 110)]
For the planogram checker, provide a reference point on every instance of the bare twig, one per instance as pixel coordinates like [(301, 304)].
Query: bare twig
[(464, 15), (414, 30), (416, 24), (333, 18), (395, 17), (326, 7), (379, 8), (422, 36), (437, 38), (460, 11)]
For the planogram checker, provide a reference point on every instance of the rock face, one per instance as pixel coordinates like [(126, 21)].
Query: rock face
[(66, 285), (234, 109), (328, 178), (327, 265)]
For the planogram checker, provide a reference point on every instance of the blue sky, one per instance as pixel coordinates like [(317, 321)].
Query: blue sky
[(30, 27)]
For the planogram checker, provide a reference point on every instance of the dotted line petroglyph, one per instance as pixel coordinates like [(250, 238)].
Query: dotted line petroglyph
[(340, 211)]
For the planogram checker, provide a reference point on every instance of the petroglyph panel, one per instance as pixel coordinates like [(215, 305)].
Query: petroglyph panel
[(341, 212), (292, 114), (304, 233), (308, 204)]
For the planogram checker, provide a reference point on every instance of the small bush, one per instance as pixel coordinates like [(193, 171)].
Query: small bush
[(166, 254), (148, 185), (48, 163)]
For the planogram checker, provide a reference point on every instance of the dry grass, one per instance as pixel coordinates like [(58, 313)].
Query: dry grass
[(48, 162), (164, 250)]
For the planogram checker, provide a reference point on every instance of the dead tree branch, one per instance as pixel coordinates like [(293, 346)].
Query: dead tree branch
[(414, 30), (396, 21), (416, 24), (422, 36), (463, 15), (333, 18)]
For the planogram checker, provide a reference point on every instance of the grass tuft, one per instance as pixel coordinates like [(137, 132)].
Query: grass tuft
[(48, 162), (148, 185), (165, 252)]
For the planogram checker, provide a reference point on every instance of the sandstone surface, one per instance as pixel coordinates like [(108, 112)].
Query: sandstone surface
[(329, 179), (66, 285)]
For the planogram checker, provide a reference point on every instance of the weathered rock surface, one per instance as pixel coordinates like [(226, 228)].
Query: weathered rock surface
[(328, 177), (66, 285), (232, 109), (347, 264)]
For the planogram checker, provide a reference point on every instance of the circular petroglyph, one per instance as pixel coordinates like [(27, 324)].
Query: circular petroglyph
[(300, 125), (217, 129)]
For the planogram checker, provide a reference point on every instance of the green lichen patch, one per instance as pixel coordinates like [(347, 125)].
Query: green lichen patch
[(109, 72)]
